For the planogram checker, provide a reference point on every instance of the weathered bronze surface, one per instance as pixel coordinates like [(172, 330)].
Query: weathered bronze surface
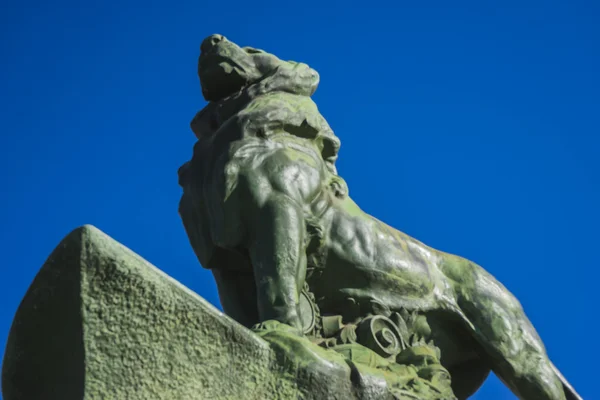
[(294, 256)]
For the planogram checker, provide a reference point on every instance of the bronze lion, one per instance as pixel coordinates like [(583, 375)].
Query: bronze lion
[(266, 211)]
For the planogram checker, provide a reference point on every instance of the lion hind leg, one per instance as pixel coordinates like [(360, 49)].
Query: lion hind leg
[(509, 340)]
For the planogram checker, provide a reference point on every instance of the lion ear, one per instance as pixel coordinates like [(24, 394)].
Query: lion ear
[(305, 79), (289, 76)]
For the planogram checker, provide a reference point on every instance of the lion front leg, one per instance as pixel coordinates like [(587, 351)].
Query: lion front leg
[(278, 256)]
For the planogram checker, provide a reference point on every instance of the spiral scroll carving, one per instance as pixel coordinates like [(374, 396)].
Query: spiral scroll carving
[(381, 335)]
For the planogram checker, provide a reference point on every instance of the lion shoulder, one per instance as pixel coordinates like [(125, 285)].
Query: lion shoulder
[(260, 168)]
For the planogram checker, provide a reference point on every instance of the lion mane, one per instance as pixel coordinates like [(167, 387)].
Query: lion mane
[(272, 111)]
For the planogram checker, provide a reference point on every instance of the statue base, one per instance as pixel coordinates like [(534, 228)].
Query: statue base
[(100, 322)]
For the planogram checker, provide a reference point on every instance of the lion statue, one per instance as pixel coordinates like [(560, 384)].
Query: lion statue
[(266, 211)]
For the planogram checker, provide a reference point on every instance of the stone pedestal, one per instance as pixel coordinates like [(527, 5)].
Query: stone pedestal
[(100, 322)]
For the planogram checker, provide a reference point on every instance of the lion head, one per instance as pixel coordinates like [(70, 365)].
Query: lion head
[(224, 68)]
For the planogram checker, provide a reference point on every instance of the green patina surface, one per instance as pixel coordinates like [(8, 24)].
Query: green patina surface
[(330, 302), (265, 209)]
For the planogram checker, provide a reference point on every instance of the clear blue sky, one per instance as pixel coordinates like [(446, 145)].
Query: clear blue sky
[(473, 127)]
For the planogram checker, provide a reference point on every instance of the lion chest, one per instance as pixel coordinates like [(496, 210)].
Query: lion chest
[(261, 168)]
